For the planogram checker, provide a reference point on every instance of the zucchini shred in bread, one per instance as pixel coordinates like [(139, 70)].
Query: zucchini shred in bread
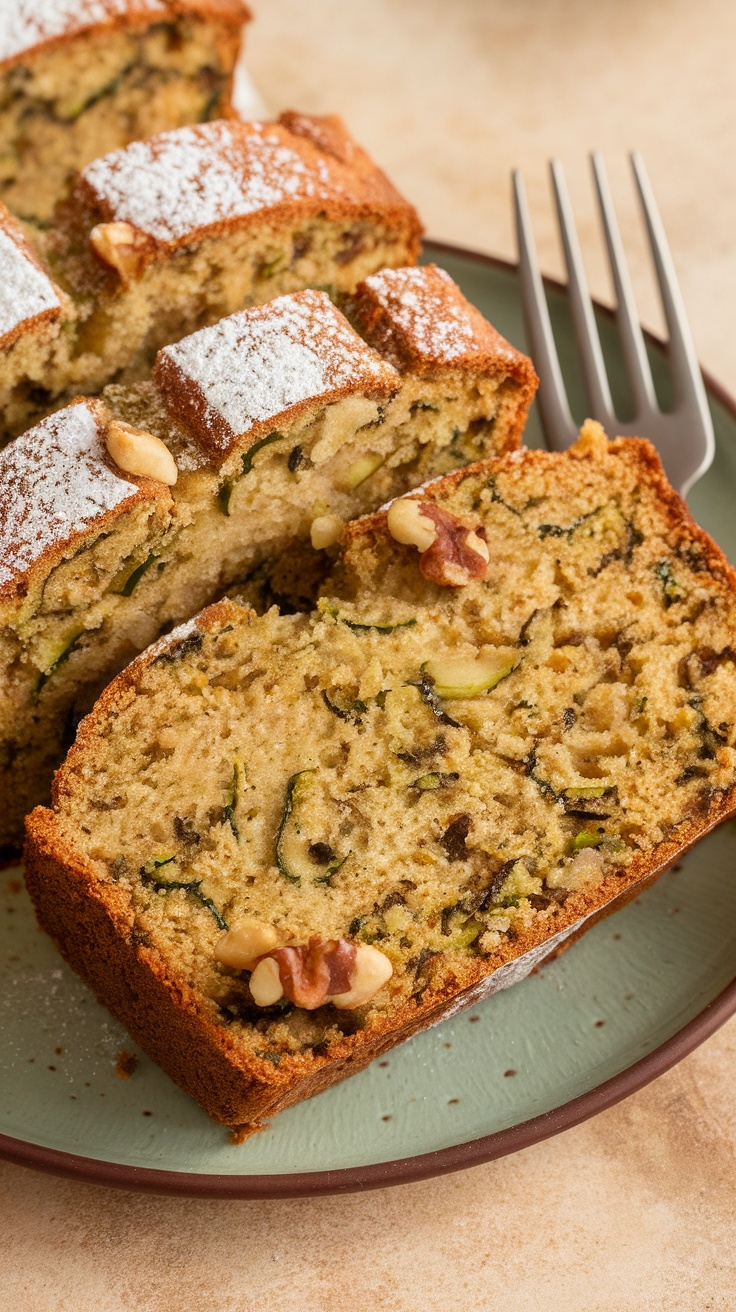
[(173, 233), (79, 78), (460, 778), (282, 423)]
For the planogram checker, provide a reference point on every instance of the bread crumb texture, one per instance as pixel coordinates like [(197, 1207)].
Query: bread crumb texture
[(255, 429), (453, 775), (172, 233), (79, 78)]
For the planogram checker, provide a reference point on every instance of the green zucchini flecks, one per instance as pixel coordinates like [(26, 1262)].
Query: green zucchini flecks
[(150, 877), (427, 783), (378, 626), (65, 651), (233, 791), (127, 579), (224, 496), (297, 854), (428, 695), (670, 587), (344, 706)]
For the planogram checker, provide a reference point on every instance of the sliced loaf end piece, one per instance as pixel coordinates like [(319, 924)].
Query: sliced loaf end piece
[(460, 776)]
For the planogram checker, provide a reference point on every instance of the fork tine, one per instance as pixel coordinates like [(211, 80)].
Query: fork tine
[(559, 426), (632, 338), (586, 329), (687, 379)]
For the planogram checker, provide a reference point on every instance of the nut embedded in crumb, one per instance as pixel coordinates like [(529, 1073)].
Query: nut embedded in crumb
[(241, 947), (121, 246), (457, 554), (452, 553), (265, 983), (139, 452), (371, 971), (318, 972), (408, 525), (325, 531)]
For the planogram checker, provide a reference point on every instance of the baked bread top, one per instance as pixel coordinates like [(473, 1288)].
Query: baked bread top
[(224, 389), (234, 382), (183, 185), (28, 297), (420, 321), (27, 26), (58, 488)]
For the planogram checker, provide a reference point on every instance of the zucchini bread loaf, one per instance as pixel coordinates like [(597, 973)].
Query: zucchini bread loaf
[(281, 844), (79, 78), (262, 432), (172, 233)]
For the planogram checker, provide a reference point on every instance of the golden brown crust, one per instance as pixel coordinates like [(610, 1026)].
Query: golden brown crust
[(328, 132), (172, 1023), (27, 34), (51, 312), (214, 381), (420, 321), (342, 185), (36, 470)]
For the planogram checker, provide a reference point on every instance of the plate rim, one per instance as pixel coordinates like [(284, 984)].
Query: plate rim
[(441, 1161)]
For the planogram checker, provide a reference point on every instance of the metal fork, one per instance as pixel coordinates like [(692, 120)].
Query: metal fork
[(684, 435)]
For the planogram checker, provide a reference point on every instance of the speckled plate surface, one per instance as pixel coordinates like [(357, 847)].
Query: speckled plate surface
[(631, 998)]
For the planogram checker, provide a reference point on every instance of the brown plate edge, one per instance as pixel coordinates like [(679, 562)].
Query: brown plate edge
[(423, 1166)]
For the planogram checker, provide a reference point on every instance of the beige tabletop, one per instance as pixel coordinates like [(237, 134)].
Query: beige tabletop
[(634, 1211)]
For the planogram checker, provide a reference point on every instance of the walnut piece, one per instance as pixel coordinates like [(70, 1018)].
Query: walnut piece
[(318, 972), (139, 452), (242, 947), (122, 247), (452, 553), (325, 531), (457, 554), (409, 525)]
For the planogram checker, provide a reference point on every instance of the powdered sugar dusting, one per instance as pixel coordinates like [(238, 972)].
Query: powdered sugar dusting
[(198, 177), (57, 483), (431, 313), (25, 290), (26, 23), (169, 640), (256, 364)]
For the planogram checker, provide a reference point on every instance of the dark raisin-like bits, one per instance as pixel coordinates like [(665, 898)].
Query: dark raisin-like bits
[(320, 853), (453, 839), (185, 832)]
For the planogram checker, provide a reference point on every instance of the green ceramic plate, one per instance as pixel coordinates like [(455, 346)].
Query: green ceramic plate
[(637, 993)]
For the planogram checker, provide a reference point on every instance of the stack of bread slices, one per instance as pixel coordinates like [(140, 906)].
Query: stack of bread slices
[(366, 709)]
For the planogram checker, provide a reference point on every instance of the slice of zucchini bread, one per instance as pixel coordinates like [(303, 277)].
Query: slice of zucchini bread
[(281, 844), (79, 78), (173, 233), (35, 315), (265, 433)]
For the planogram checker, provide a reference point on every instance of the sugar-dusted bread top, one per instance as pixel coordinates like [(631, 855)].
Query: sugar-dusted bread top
[(218, 394), (199, 180), (419, 320), (27, 294), (57, 485), (264, 366), (28, 25)]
